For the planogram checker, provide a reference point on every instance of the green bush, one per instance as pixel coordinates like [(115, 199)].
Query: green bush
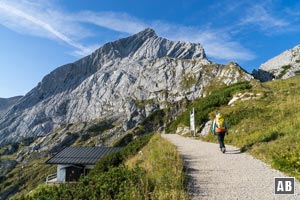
[(117, 183)]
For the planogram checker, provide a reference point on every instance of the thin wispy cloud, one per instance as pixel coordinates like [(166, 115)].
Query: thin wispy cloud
[(49, 21), (258, 15), (294, 12), (121, 22), (26, 17)]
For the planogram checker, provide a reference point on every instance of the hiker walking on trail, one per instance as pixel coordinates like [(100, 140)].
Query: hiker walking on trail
[(219, 128)]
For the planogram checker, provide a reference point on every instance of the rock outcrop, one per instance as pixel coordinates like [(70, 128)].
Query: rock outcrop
[(123, 81), (283, 66), (6, 103)]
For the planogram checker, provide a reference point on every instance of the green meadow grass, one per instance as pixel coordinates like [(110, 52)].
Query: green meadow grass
[(268, 127), (164, 169)]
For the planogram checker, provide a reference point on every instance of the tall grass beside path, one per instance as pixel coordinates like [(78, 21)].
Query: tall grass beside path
[(164, 169)]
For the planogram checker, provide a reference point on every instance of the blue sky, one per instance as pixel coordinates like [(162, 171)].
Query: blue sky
[(37, 36)]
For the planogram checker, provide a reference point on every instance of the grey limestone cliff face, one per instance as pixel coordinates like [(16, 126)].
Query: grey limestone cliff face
[(285, 65), (6, 103), (125, 81)]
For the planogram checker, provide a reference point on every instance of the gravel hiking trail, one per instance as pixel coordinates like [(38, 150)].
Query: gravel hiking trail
[(229, 176)]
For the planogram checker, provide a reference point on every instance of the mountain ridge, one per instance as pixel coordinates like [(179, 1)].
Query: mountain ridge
[(110, 83)]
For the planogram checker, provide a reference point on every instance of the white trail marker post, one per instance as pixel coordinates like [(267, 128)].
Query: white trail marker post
[(192, 122)]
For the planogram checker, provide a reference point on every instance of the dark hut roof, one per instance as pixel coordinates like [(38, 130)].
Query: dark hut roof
[(81, 155)]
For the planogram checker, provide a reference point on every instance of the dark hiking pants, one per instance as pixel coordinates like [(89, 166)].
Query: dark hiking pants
[(221, 136)]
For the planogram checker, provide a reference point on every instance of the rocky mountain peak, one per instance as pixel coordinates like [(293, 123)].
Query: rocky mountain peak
[(122, 83), (147, 45), (148, 32)]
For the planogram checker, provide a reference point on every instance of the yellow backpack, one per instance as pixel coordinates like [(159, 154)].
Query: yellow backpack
[(220, 123)]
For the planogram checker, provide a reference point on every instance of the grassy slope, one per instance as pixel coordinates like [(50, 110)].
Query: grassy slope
[(164, 169), (269, 127), (266, 127), (26, 176)]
